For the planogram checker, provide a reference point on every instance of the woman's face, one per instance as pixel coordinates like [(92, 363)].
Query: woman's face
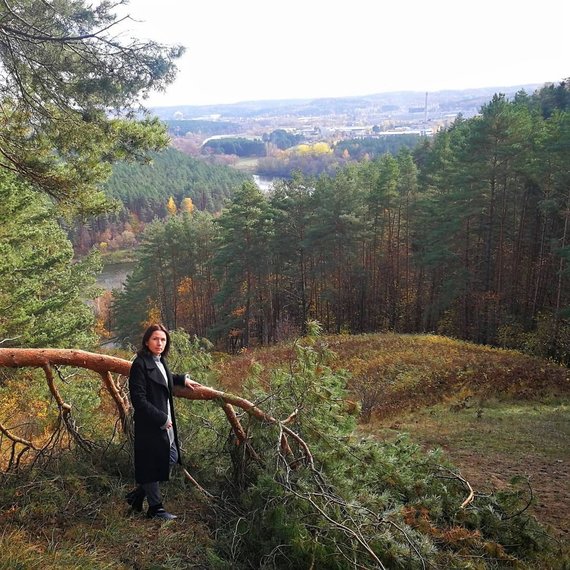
[(157, 342)]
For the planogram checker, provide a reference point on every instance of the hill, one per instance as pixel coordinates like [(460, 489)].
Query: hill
[(409, 372), (498, 414), (395, 103), (144, 191), (147, 187)]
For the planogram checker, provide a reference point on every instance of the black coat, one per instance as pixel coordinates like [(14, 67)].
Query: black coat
[(149, 397)]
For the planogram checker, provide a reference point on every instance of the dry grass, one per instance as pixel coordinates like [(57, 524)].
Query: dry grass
[(414, 371), (105, 537)]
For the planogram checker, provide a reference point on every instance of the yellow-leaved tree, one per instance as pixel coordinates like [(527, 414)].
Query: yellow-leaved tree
[(154, 315), (321, 148), (171, 206), (187, 205)]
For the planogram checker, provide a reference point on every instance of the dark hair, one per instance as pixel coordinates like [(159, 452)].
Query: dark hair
[(148, 333)]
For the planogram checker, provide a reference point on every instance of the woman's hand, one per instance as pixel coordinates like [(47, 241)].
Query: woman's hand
[(189, 383)]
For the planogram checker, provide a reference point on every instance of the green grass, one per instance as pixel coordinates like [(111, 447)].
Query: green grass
[(107, 537), (510, 428)]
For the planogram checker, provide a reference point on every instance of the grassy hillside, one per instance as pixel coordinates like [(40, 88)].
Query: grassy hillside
[(496, 414), (399, 373)]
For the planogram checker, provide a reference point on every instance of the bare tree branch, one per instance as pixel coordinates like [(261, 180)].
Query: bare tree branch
[(15, 438)]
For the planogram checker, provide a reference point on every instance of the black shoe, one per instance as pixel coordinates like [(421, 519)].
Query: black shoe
[(158, 512), (135, 498)]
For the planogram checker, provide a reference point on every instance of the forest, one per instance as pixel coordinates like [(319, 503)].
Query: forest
[(142, 193), (465, 235), (322, 323)]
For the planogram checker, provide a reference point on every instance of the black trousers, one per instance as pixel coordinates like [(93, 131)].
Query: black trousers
[(152, 490)]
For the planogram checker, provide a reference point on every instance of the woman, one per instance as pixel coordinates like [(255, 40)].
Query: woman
[(156, 438)]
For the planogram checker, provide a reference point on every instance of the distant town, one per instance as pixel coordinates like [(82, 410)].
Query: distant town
[(334, 119)]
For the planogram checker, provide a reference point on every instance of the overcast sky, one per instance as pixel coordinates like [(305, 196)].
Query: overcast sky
[(240, 50)]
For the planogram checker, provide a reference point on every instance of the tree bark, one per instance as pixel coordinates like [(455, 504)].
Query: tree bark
[(101, 363), (39, 357)]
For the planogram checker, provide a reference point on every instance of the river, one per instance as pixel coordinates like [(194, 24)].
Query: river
[(114, 275), (263, 183)]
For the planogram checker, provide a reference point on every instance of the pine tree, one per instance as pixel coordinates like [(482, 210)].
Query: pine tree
[(242, 265), (64, 69), (43, 292)]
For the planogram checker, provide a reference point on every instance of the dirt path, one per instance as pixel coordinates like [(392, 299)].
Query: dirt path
[(549, 479)]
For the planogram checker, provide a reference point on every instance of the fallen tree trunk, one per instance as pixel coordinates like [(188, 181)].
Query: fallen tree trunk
[(38, 357), (104, 365)]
